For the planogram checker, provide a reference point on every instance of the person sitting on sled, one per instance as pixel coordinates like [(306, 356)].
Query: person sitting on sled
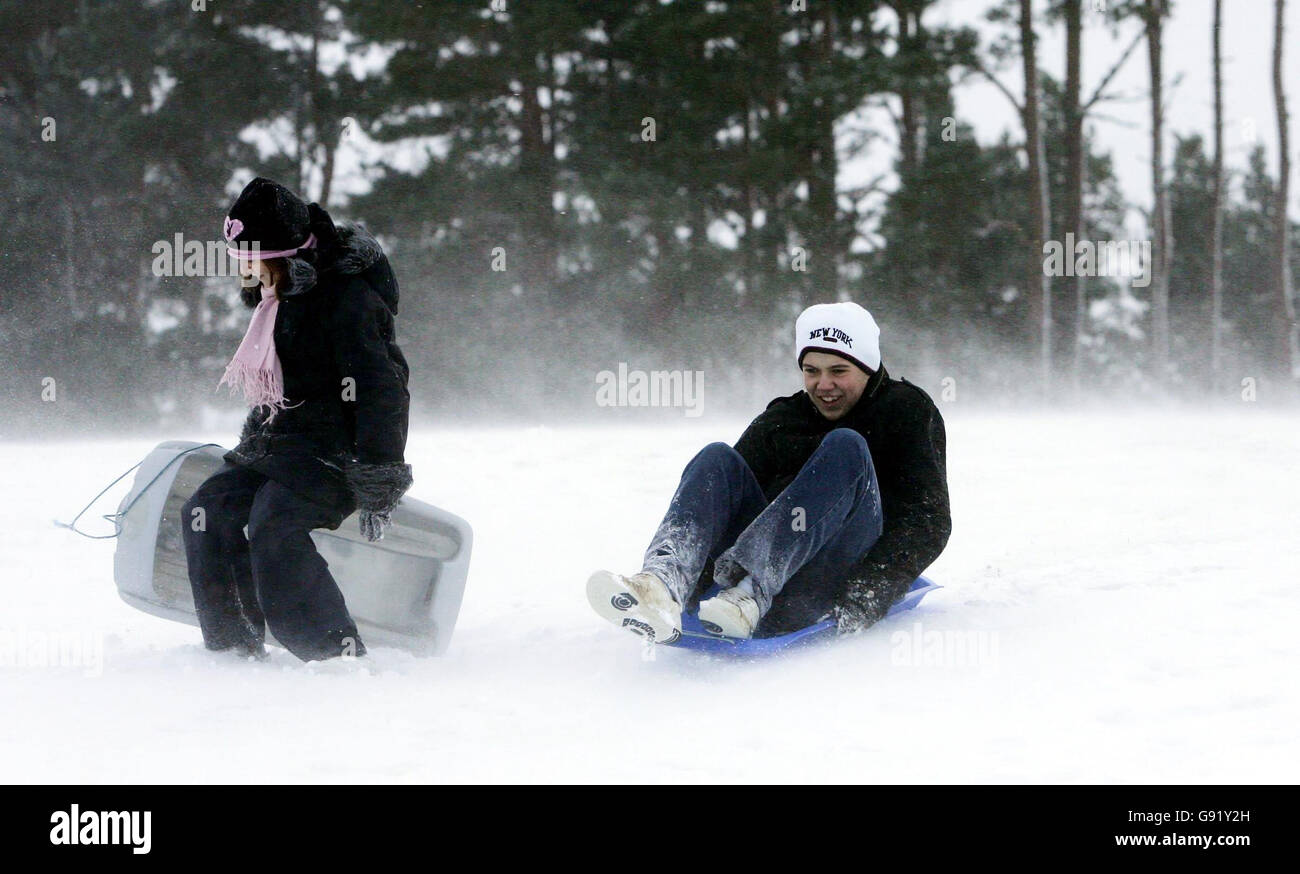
[(833, 501), (326, 434)]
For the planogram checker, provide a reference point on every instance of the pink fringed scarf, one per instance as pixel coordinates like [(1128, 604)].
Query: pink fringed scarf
[(255, 369)]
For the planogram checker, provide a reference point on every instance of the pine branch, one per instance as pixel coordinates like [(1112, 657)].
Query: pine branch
[(1097, 95)]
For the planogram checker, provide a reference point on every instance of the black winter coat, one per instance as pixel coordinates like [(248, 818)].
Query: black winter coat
[(342, 440), (905, 434)]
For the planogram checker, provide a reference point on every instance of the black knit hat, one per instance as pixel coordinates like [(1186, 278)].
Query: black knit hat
[(272, 218)]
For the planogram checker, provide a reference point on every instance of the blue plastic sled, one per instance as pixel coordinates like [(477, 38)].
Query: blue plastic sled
[(695, 637)]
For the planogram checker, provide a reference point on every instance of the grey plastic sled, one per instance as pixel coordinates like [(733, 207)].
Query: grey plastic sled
[(403, 591)]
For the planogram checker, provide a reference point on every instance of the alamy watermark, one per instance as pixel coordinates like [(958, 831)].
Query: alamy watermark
[(949, 648), (77, 827), (1100, 258), (181, 257), (25, 648), (655, 388)]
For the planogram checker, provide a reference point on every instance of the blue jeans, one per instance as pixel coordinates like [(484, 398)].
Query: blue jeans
[(797, 550)]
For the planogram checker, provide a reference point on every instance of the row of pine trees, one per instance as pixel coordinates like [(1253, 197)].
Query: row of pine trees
[(564, 185)]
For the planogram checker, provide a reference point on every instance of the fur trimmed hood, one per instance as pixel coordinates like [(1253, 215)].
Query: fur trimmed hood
[(344, 249)]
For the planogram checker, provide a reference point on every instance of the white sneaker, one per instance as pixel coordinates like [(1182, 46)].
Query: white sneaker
[(640, 603), (732, 612)]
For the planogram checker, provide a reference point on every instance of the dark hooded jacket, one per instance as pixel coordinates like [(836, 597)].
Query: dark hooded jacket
[(906, 437), (342, 439)]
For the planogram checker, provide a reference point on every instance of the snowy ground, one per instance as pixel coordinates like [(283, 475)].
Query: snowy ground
[(1119, 606)]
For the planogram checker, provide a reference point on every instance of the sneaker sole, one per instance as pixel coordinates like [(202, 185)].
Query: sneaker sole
[(724, 619), (611, 598)]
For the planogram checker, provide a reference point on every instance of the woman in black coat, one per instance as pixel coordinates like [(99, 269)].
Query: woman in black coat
[(326, 435)]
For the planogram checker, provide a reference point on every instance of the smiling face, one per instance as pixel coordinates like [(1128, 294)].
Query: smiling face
[(833, 383)]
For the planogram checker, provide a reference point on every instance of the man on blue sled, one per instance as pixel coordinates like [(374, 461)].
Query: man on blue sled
[(832, 502)]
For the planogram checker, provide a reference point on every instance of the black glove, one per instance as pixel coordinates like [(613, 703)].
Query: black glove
[(377, 489), (373, 524)]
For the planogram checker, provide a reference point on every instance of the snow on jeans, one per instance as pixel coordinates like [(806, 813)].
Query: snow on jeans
[(798, 549), (274, 577)]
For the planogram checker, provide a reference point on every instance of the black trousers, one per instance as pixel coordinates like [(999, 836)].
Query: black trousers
[(274, 577)]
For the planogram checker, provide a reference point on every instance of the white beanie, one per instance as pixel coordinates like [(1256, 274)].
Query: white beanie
[(843, 329)]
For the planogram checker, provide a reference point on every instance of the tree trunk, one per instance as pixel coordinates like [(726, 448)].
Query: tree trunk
[(69, 271), (1038, 285), (750, 243), (1288, 340), (1163, 238), (1074, 326), (909, 137), (306, 147), (822, 170), (912, 91), (536, 166), (329, 131), (327, 171), (1216, 278)]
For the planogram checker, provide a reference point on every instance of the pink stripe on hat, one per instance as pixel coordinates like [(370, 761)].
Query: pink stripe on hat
[(256, 254)]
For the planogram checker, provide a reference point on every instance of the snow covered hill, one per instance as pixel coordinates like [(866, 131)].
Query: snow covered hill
[(1120, 605)]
